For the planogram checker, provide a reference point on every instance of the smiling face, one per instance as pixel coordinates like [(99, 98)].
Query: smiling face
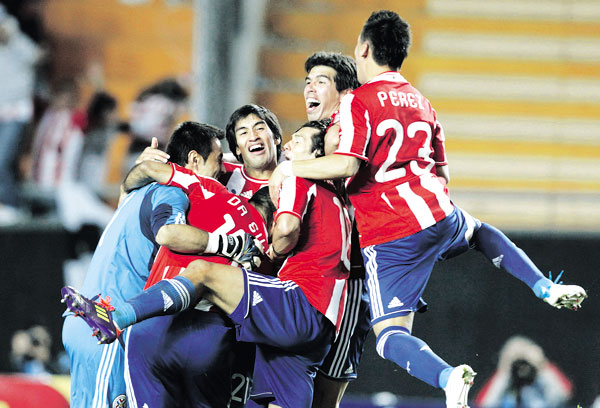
[(301, 146), (320, 94), (255, 143)]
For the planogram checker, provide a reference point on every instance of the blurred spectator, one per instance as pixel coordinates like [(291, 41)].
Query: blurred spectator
[(30, 351), (154, 114), (18, 58), (102, 125), (58, 139), (524, 378)]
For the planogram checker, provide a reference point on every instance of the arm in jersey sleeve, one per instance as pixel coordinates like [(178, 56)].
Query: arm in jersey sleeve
[(293, 201), (182, 238), (439, 153), (147, 172)]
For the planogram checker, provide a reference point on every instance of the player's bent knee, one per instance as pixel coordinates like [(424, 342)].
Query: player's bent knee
[(198, 271)]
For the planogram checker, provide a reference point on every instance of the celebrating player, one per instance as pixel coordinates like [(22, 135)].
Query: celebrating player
[(163, 353), (392, 146), (329, 77), (254, 137), (293, 317)]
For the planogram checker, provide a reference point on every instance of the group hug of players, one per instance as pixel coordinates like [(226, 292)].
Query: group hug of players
[(243, 284)]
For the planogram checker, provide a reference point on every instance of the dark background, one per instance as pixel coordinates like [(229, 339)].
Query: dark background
[(473, 309)]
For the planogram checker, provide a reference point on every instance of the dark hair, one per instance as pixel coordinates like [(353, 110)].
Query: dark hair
[(245, 111), (190, 136), (168, 87), (389, 37), (318, 140), (344, 66), (261, 200), (101, 103)]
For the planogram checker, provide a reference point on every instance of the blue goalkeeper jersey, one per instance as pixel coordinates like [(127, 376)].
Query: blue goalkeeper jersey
[(126, 250)]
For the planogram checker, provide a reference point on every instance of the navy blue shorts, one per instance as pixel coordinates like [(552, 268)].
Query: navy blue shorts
[(398, 271), (342, 360), (180, 360), (292, 339)]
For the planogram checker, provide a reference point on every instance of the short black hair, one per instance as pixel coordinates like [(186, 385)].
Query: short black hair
[(190, 136), (344, 66), (318, 140), (261, 200), (389, 37), (247, 110)]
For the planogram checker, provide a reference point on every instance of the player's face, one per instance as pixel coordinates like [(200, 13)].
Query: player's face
[(255, 143), (301, 145), (359, 50), (287, 150), (320, 95), (213, 165)]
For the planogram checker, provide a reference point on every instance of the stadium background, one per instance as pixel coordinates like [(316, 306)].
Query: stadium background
[(516, 84)]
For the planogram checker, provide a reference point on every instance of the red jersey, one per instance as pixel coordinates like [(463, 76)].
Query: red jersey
[(393, 128), (319, 263), (213, 209), (238, 182)]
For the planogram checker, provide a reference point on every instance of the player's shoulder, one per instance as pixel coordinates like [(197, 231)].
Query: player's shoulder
[(231, 166)]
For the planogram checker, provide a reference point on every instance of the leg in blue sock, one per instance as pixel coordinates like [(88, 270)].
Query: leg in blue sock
[(166, 297), (503, 253), (395, 343)]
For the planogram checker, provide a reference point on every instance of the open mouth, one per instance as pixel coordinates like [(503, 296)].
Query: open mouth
[(312, 104), (256, 148)]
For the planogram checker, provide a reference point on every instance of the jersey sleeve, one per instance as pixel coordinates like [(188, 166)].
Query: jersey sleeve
[(355, 128), (183, 178), (169, 206), (438, 142), (293, 197)]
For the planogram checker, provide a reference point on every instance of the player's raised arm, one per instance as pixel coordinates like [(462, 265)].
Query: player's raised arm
[(146, 172)]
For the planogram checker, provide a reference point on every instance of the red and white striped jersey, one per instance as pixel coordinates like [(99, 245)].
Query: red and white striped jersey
[(393, 128), (58, 142), (238, 182), (227, 213), (320, 262)]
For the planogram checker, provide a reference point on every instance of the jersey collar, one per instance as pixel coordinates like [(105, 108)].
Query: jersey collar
[(390, 76)]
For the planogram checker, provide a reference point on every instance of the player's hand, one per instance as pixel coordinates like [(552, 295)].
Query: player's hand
[(243, 249), (153, 153), (275, 182)]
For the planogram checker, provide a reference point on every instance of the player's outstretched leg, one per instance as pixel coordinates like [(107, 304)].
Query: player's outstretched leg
[(97, 315), (459, 384), (505, 254)]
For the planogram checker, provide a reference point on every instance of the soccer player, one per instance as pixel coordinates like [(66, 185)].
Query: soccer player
[(164, 364), (329, 77), (254, 137), (120, 267), (392, 147), (293, 317)]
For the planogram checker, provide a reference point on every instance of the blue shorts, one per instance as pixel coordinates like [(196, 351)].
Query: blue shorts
[(180, 360), (342, 360), (96, 370), (292, 339), (398, 271)]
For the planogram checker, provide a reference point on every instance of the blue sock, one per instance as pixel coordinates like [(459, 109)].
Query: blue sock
[(396, 344), (505, 254), (166, 297)]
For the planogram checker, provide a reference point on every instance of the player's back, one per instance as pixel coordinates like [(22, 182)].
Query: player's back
[(212, 209), (127, 247), (319, 263), (390, 125)]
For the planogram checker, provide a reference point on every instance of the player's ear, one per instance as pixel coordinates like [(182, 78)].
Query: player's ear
[(364, 49), (238, 152)]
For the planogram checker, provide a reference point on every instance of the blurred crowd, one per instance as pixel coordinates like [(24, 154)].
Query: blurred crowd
[(65, 151)]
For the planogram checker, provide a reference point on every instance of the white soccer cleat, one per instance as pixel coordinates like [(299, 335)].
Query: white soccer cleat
[(569, 296), (459, 384)]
